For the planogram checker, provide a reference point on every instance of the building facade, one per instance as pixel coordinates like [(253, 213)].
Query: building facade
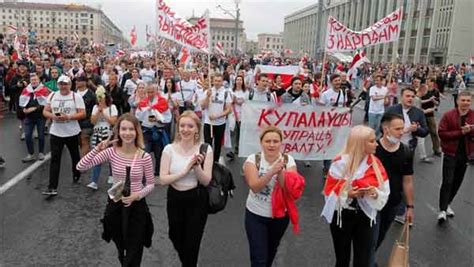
[(251, 47), (270, 41), (433, 31), (49, 22), (223, 30)]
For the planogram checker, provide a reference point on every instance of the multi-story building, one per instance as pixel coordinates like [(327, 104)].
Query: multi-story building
[(52, 21), (223, 30), (433, 31), (270, 42), (251, 47)]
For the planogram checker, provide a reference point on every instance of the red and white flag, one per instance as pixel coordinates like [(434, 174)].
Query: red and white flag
[(357, 61), (41, 94), (76, 36), (133, 36), (286, 73), (184, 57), (11, 29), (148, 34), (119, 53), (220, 48), (288, 51)]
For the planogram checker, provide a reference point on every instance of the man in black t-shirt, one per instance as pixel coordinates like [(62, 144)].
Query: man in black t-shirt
[(398, 163)]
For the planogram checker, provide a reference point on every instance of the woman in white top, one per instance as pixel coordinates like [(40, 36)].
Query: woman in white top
[(183, 168), (132, 83), (239, 94), (104, 115), (263, 231), (137, 96)]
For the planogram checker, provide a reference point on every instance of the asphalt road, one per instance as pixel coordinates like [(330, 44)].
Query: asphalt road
[(66, 231)]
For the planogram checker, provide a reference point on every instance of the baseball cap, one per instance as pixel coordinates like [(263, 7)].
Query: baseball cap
[(64, 79)]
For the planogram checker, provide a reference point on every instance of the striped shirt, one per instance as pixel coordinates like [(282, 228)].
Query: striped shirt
[(143, 166)]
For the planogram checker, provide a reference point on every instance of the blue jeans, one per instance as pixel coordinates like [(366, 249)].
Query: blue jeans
[(264, 235), (374, 123), (155, 141), (29, 125), (96, 173), (384, 220)]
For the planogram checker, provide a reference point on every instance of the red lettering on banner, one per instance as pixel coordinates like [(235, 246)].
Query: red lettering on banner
[(347, 43), (321, 120), (383, 35), (392, 29), (375, 37), (290, 118), (331, 118), (340, 42), (279, 118), (356, 40), (312, 120), (263, 117), (302, 121), (366, 37), (330, 44)]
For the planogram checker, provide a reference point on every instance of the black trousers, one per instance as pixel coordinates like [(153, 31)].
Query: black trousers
[(264, 235), (355, 232), (216, 141), (187, 217), (236, 137), (57, 143), (454, 169), (130, 228)]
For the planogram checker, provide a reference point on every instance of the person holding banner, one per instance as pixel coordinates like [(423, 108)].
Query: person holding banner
[(261, 92), (216, 104), (356, 188), (295, 93), (263, 171)]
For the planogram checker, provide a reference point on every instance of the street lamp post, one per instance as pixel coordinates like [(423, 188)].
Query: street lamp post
[(237, 26)]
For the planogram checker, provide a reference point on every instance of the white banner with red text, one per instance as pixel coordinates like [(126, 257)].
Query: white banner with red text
[(339, 38), (309, 132), (173, 27)]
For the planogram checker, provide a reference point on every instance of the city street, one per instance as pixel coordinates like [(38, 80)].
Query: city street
[(66, 231)]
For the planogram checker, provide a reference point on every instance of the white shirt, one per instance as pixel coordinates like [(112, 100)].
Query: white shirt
[(217, 105), (406, 137), (239, 95), (130, 86), (261, 203), (67, 104), (178, 163), (101, 120), (329, 98), (377, 106), (188, 89), (147, 75), (105, 78)]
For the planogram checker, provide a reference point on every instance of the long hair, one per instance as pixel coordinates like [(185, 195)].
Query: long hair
[(195, 118), (173, 86), (355, 148), (235, 83), (138, 130)]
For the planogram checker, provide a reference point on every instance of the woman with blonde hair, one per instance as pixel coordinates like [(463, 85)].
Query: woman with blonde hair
[(132, 167), (137, 97), (356, 189), (183, 168)]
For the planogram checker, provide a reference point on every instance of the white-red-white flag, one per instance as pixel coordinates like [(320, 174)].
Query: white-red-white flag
[(288, 51), (12, 29), (133, 36), (220, 48), (119, 53), (76, 36), (184, 57), (357, 61)]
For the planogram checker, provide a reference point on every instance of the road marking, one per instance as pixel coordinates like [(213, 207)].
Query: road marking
[(25, 173)]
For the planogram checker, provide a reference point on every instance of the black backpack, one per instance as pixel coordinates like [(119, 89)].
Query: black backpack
[(220, 187)]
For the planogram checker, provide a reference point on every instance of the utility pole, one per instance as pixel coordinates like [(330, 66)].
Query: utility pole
[(318, 28)]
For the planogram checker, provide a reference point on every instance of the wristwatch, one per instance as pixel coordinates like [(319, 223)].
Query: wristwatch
[(410, 206)]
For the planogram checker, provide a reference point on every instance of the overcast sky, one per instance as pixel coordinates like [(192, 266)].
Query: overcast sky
[(259, 16)]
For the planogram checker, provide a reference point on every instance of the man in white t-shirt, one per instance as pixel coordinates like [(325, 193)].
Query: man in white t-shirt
[(216, 105), (378, 94), (65, 108), (148, 74), (335, 96), (187, 88)]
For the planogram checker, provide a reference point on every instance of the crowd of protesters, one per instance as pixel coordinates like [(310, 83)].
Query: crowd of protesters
[(118, 111)]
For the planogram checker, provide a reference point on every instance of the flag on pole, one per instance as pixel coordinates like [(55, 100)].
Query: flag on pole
[(357, 61), (16, 49), (133, 36), (220, 48), (76, 36), (148, 34), (184, 57), (119, 53), (12, 29)]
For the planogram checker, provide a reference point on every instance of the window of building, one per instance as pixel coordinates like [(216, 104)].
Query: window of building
[(268, 46), (268, 39), (92, 28), (92, 16), (47, 31)]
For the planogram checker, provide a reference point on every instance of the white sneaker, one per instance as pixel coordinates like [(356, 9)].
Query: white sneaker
[(22, 137), (35, 134), (442, 217), (110, 180), (41, 156), (93, 186), (400, 219), (449, 212), (28, 158), (307, 164)]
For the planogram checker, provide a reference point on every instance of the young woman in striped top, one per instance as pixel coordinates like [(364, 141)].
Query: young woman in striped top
[(127, 150)]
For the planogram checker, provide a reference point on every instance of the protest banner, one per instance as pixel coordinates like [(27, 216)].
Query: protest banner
[(309, 132), (339, 38), (173, 27)]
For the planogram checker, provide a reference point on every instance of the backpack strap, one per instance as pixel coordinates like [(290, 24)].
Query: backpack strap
[(269, 97), (251, 94)]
